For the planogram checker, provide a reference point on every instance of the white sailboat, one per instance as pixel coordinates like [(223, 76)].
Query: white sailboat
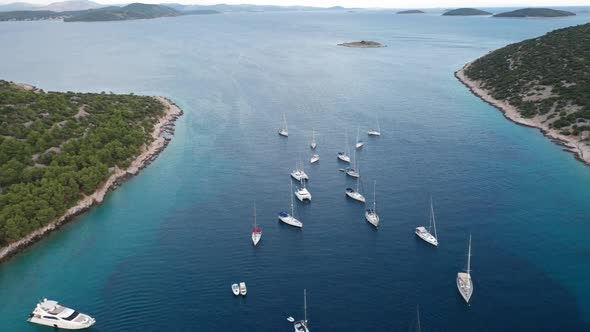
[(256, 231), (353, 171), (302, 193), (284, 131), (371, 214), (359, 143), (287, 218), (314, 158), (464, 282), (299, 173), (344, 155), (313, 143), (375, 132), (243, 289), (355, 194), (235, 289), (301, 326), (424, 233)]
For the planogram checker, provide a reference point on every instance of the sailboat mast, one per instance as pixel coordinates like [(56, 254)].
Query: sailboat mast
[(305, 305), (254, 216), (374, 197), (418, 314), (285, 121), (469, 257), (292, 212), (433, 218)]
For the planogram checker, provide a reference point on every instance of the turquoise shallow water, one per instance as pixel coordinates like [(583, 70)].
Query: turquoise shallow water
[(162, 251)]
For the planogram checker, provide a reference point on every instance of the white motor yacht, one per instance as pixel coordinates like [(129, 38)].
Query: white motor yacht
[(235, 289), (51, 313), (243, 289)]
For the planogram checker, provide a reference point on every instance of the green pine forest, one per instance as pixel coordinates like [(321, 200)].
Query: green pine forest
[(56, 147)]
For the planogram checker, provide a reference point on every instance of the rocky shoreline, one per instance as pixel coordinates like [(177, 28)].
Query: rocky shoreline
[(571, 144), (162, 135)]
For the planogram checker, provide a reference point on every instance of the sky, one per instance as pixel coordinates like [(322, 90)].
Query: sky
[(359, 3)]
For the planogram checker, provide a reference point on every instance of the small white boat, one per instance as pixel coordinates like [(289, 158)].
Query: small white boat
[(302, 193), (299, 174), (51, 313), (287, 218), (359, 143), (243, 289), (256, 231), (464, 282), (355, 194), (375, 132), (314, 158), (284, 131), (353, 171), (301, 325), (424, 233), (371, 214), (313, 143), (344, 157), (235, 289)]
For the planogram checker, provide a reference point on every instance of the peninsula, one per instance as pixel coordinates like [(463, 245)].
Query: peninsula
[(362, 44), (411, 11), (134, 11), (466, 12), (542, 83), (61, 153), (536, 12)]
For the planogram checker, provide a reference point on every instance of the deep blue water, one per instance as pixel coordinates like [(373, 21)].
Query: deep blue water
[(162, 251)]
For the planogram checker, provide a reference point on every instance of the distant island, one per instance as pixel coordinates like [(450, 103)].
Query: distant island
[(134, 11), (536, 12), (362, 44), (466, 12), (542, 83), (411, 11), (61, 153)]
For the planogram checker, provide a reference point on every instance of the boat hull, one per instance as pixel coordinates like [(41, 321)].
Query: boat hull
[(291, 221), (356, 196), (60, 324), (256, 238), (465, 286), (374, 133), (283, 133), (314, 159), (344, 158), (422, 233), (372, 218)]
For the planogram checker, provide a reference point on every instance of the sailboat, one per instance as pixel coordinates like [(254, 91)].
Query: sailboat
[(371, 214), (359, 142), (353, 171), (256, 231), (299, 173), (302, 193), (314, 158), (375, 132), (313, 143), (301, 326), (424, 233), (355, 194), (287, 218), (284, 131), (464, 282), (344, 156)]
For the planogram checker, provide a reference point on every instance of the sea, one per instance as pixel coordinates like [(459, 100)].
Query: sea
[(162, 251)]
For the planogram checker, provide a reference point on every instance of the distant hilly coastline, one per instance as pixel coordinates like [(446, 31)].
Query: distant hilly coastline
[(466, 12), (536, 12), (411, 11), (134, 11)]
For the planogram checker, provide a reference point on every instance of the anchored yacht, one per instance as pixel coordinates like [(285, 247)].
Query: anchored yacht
[(464, 282), (301, 325), (313, 143), (284, 131), (287, 218), (359, 143), (314, 158), (424, 233), (256, 231), (302, 193), (375, 132), (371, 214), (51, 313), (299, 174)]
